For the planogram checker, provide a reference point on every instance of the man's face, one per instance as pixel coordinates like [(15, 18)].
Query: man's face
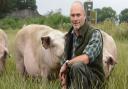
[(77, 16)]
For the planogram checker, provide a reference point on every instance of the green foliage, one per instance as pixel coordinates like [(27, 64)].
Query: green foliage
[(25, 4), (108, 26), (32, 4), (99, 14), (55, 20), (10, 79), (123, 17), (7, 6), (2, 5), (119, 32), (58, 21), (7, 23), (105, 13), (122, 34), (123, 26), (119, 77)]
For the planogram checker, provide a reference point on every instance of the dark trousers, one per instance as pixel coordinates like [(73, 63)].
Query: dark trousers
[(80, 76)]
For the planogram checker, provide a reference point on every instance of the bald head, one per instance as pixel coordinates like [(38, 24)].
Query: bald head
[(77, 15), (77, 5)]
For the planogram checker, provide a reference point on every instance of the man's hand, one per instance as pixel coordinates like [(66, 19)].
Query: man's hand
[(63, 70), (62, 74)]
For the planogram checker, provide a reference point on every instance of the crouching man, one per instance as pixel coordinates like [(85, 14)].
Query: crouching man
[(83, 66)]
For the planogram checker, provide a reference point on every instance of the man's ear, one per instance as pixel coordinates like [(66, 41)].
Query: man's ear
[(46, 41)]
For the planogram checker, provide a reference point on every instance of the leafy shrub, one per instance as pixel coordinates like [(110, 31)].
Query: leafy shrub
[(58, 21), (121, 34), (7, 23), (55, 20)]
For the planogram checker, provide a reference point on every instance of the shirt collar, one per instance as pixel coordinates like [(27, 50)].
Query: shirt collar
[(82, 30)]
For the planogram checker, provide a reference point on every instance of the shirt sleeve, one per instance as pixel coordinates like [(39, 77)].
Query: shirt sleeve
[(94, 46)]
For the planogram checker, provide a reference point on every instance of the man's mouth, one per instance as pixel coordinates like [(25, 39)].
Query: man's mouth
[(76, 24)]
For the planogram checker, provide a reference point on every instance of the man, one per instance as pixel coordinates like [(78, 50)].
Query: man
[(83, 68)]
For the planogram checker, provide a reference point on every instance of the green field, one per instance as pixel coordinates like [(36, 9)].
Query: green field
[(11, 80)]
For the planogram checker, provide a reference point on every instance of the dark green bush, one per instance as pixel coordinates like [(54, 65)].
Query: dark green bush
[(8, 23), (55, 20), (58, 21), (121, 34)]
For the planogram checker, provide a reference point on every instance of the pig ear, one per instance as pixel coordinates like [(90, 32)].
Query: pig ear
[(6, 53), (46, 42), (111, 61)]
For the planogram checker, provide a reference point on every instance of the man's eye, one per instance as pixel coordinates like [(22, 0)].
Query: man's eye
[(72, 15), (75, 15)]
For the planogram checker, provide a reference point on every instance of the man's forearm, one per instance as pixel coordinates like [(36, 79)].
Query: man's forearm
[(83, 58)]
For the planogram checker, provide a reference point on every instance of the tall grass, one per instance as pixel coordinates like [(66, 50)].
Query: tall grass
[(119, 77), (10, 79)]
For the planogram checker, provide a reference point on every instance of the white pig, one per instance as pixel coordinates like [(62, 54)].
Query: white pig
[(109, 53), (39, 49), (3, 50)]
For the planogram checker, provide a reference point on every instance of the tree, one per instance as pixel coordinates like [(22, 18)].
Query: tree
[(105, 13), (2, 4), (25, 4), (123, 16), (7, 6), (31, 4), (99, 14)]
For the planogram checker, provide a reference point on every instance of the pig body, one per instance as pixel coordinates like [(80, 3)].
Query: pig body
[(109, 53), (38, 50), (3, 50)]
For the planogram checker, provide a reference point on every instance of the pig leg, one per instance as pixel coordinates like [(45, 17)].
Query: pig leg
[(2, 65), (20, 63), (44, 73)]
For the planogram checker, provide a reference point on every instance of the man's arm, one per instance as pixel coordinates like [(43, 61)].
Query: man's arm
[(91, 51), (83, 58)]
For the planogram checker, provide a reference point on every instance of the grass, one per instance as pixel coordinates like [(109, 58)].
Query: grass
[(10, 79), (119, 77)]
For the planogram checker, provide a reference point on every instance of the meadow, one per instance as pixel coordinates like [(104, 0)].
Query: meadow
[(10, 79)]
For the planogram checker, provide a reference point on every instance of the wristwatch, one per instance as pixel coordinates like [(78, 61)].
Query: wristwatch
[(67, 62)]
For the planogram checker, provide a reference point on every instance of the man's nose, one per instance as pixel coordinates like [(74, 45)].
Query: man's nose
[(75, 17)]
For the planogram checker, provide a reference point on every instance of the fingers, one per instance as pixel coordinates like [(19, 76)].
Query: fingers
[(60, 74), (63, 82), (62, 70), (62, 78)]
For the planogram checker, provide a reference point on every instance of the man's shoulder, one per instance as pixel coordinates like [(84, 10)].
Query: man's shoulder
[(96, 30)]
